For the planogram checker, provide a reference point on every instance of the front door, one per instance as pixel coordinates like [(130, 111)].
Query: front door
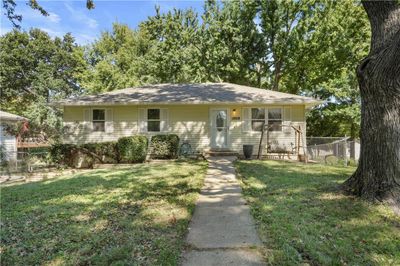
[(219, 128)]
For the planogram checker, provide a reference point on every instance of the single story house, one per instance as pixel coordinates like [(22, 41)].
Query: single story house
[(208, 115), (9, 142)]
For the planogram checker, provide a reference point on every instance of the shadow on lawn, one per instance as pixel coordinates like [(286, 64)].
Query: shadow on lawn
[(97, 218), (300, 210)]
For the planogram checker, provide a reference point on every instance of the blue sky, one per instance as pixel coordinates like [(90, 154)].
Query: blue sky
[(86, 25)]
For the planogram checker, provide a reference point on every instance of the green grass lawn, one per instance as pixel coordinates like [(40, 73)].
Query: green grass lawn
[(303, 218), (134, 215)]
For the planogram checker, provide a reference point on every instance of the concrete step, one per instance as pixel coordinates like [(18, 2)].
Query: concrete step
[(220, 152)]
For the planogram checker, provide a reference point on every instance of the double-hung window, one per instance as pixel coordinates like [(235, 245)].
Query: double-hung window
[(153, 120), (266, 116), (275, 119), (99, 120), (257, 119)]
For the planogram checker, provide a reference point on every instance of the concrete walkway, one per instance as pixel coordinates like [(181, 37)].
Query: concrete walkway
[(222, 231)]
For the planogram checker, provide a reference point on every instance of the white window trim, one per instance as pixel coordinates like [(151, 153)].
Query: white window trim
[(104, 121)]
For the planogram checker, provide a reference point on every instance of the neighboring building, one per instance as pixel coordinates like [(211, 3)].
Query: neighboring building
[(208, 115), (7, 141)]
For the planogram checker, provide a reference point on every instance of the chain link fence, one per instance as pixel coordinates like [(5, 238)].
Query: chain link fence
[(24, 161), (333, 150)]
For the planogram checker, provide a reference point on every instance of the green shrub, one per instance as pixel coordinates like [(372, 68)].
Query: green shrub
[(164, 146), (132, 149), (62, 154), (103, 152), (107, 151), (3, 156)]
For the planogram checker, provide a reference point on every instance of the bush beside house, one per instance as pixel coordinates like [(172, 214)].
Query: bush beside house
[(132, 149), (126, 150), (164, 146), (62, 154)]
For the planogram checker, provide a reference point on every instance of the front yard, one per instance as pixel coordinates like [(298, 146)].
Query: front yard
[(303, 218), (134, 215)]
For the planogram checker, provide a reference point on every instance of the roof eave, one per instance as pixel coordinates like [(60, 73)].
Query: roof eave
[(314, 103), (310, 103)]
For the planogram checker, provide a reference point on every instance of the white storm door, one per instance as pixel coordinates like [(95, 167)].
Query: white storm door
[(219, 128)]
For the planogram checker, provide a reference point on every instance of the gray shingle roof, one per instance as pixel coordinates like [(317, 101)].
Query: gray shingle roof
[(4, 116), (203, 93)]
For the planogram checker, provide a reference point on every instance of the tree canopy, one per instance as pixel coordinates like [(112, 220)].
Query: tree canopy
[(35, 70)]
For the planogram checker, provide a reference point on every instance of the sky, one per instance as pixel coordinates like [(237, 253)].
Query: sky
[(87, 25)]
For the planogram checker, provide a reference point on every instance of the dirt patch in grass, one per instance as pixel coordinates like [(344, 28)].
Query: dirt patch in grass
[(303, 218), (134, 215)]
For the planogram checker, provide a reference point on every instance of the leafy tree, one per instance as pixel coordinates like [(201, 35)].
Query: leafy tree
[(329, 57), (284, 27), (116, 60), (174, 53), (161, 50), (341, 115), (231, 45), (35, 70), (174, 47)]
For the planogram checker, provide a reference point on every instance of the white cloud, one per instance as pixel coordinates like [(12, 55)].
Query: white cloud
[(83, 39), (33, 16), (53, 17), (92, 23), (84, 34), (53, 33), (80, 38), (80, 16)]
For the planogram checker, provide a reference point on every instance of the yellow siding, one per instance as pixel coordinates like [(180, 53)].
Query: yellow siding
[(189, 122), (298, 113), (125, 124), (284, 139)]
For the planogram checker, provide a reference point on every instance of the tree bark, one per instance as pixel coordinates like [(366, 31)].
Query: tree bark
[(277, 75), (378, 174)]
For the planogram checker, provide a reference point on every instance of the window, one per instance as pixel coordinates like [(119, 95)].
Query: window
[(265, 116), (99, 120), (220, 120), (153, 120), (275, 119), (257, 118)]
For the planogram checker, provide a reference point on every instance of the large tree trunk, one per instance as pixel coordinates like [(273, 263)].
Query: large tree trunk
[(378, 174)]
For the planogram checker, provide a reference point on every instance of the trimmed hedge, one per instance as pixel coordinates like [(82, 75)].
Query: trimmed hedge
[(132, 149), (107, 151), (164, 146), (62, 154), (125, 150)]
